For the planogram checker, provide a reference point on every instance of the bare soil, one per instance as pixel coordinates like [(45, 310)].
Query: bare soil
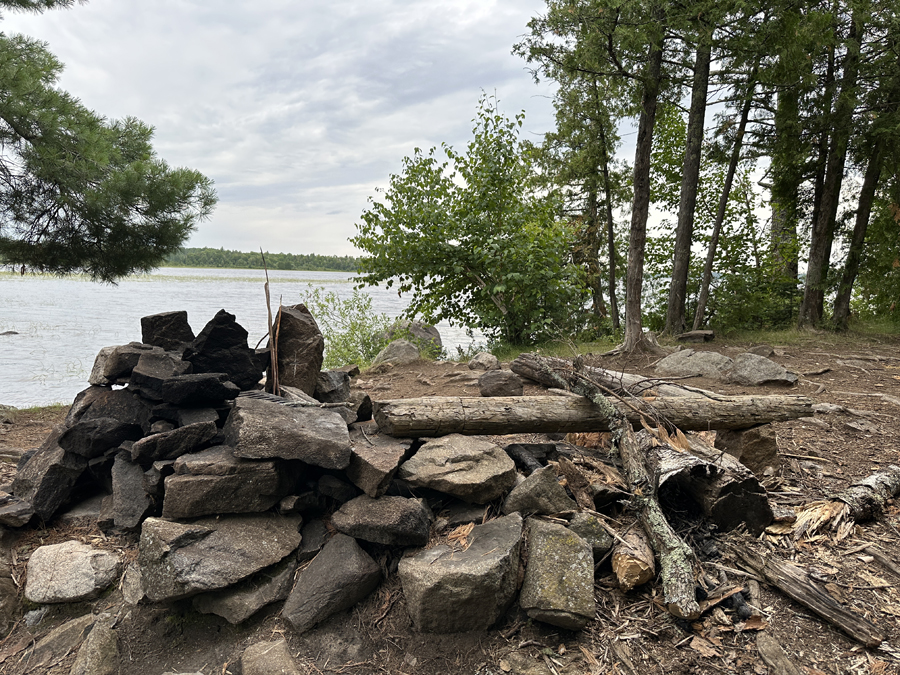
[(631, 632)]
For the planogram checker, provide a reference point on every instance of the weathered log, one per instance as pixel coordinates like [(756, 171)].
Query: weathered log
[(441, 415), (795, 583), (632, 560), (726, 491), (536, 367), (868, 497), (773, 655)]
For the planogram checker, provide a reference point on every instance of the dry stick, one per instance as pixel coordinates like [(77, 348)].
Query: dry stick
[(675, 557), (884, 397), (273, 350), (883, 559)]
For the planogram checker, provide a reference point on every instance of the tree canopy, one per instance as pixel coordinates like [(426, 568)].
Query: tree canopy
[(78, 192)]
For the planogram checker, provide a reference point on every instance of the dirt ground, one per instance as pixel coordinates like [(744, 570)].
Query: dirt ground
[(631, 632)]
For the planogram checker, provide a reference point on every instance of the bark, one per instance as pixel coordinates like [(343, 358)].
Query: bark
[(690, 183), (823, 226), (634, 279), (610, 235), (439, 416), (841, 317), (632, 560), (703, 296), (795, 583), (787, 176), (868, 497)]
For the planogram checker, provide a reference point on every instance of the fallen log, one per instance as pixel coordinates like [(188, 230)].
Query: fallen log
[(725, 490), (442, 415), (796, 584), (536, 368)]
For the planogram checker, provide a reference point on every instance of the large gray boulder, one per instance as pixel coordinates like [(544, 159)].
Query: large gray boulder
[(396, 521), (559, 578), (333, 386), (69, 572), (215, 481), (398, 353), (755, 370), (688, 363), (500, 383), (540, 494), (374, 459), (340, 576), (300, 349), (46, 480), (179, 560), (449, 590), (238, 603), (473, 469), (258, 429)]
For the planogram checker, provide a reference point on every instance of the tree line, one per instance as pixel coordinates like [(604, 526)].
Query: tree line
[(763, 190), (219, 257)]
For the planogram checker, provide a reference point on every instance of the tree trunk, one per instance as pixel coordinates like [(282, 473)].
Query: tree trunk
[(811, 308), (841, 317), (640, 210), (610, 234), (690, 184), (787, 175), (442, 415), (703, 296)]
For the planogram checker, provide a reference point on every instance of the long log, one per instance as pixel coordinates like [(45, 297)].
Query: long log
[(441, 415)]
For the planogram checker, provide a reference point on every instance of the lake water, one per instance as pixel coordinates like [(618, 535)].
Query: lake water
[(61, 323)]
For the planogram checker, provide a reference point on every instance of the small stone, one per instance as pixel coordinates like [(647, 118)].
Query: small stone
[(395, 521), (484, 361), (398, 353), (268, 658), (69, 572), (500, 383)]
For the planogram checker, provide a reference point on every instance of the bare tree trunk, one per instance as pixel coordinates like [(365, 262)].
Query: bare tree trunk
[(640, 210), (703, 297), (863, 211), (690, 184), (610, 234), (811, 308)]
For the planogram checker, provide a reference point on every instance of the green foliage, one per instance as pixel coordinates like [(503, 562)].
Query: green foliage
[(219, 257), (353, 332), (80, 193), (877, 290), (471, 242)]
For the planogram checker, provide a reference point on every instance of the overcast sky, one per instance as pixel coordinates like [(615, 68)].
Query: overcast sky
[(297, 110)]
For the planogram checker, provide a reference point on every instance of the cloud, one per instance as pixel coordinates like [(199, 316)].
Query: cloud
[(296, 110)]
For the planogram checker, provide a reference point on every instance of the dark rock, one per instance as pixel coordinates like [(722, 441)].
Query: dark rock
[(178, 560), (10, 609), (198, 389), (130, 502), (57, 644), (99, 653), (315, 535), (119, 404), (188, 416), (172, 444), (14, 512), (268, 658), (540, 494), (169, 330), (162, 426), (756, 448), (238, 603), (123, 359), (588, 527), (46, 480), (222, 347), (153, 369), (762, 350), (472, 469), (336, 489), (449, 590), (559, 578), (261, 429), (696, 336), (97, 377), (395, 521), (154, 476), (374, 458), (362, 404), (336, 579), (94, 437), (500, 383), (351, 369), (332, 386), (300, 349)]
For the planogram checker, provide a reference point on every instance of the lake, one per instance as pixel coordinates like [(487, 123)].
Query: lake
[(61, 323)]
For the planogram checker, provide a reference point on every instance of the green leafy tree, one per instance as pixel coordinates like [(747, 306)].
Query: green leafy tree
[(78, 192), (471, 242)]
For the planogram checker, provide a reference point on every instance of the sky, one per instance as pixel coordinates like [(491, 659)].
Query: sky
[(297, 110)]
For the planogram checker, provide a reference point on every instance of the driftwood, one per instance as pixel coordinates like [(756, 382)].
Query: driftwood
[(441, 415), (726, 491), (632, 560), (796, 584), (676, 560)]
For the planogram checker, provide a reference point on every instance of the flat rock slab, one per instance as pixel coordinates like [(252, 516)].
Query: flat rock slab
[(57, 644), (99, 653), (91, 438), (396, 521), (238, 603), (258, 429), (198, 389), (688, 363), (174, 443), (374, 458), (559, 578), (755, 370), (179, 560), (473, 469), (541, 494), (69, 572), (450, 590), (340, 576), (46, 480)]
